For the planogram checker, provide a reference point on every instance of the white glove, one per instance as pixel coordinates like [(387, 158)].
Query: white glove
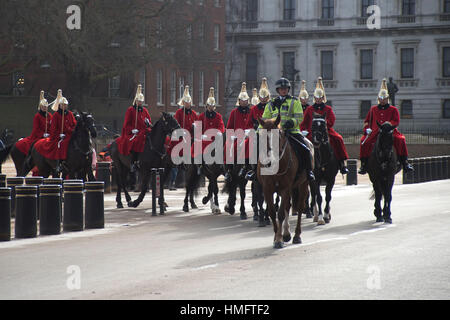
[(368, 131), (62, 135), (219, 134), (134, 131), (247, 131), (46, 135), (233, 138), (305, 133), (204, 136)]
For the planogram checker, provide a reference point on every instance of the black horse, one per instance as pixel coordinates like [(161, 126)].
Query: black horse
[(237, 180), (326, 168), (153, 156), (382, 168), (79, 153), (6, 144)]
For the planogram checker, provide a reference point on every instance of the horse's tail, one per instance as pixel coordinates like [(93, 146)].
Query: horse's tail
[(5, 153)]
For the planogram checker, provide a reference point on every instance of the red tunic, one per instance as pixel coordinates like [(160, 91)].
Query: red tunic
[(336, 141), (53, 147), (39, 127), (239, 120), (185, 118), (126, 143), (382, 115), (256, 113), (216, 122)]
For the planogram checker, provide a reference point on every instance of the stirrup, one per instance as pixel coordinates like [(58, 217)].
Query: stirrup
[(250, 175), (344, 170), (362, 170), (408, 167), (310, 175)]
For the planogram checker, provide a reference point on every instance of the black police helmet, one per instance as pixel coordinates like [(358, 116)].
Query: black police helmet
[(282, 83)]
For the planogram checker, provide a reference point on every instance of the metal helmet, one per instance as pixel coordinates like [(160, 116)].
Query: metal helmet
[(282, 83)]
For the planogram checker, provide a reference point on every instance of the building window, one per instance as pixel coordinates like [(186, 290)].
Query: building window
[(326, 65), (217, 37), (446, 62), (217, 3), (173, 88), (289, 10), (289, 65), (251, 67), (217, 86), (201, 32), (407, 63), (251, 10), (364, 5), (114, 87), (159, 87), (366, 64), (18, 82), (142, 78), (364, 108), (408, 7), (446, 6), (446, 109), (201, 88), (406, 109), (181, 87), (327, 9), (190, 83)]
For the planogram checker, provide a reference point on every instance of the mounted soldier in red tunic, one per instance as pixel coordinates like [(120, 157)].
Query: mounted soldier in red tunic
[(381, 113), (304, 96), (319, 107), (41, 126), (63, 124), (239, 119), (135, 127), (210, 119), (186, 118)]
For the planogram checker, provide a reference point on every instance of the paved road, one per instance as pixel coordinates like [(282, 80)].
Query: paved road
[(202, 256)]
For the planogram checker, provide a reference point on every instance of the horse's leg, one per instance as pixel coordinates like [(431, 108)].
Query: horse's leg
[(268, 194), (208, 197), (229, 207), (215, 190), (263, 215), (119, 183), (278, 242), (145, 174), (328, 190), (320, 220), (285, 208), (387, 194), (378, 196), (242, 185), (303, 197)]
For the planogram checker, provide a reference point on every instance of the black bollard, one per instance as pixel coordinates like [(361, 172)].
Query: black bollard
[(95, 206), (35, 181), (73, 207), (73, 181), (104, 174), (153, 187), (26, 212), (53, 181), (12, 183), (5, 214), (352, 175), (50, 210), (2, 180), (161, 191)]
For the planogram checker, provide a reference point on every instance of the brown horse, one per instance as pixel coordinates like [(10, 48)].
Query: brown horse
[(289, 182)]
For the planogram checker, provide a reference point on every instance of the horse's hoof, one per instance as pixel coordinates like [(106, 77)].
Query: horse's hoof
[(131, 204), (309, 216), (278, 245), (321, 223), (262, 224), (327, 220), (316, 219), (296, 240), (119, 206), (186, 208), (205, 200), (287, 238), (380, 219), (194, 206), (243, 216), (229, 210), (255, 217), (388, 220), (294, 214)]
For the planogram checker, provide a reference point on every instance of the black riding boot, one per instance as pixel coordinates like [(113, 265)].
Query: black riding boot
[(407, 167), (343, 167), (306, 159), (363, 169), (134, 162), (227, 168)]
